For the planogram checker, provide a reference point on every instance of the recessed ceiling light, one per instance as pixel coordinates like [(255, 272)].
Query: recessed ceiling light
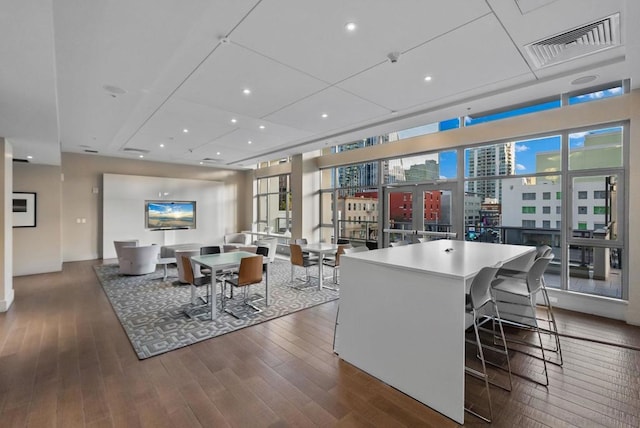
[(350, 26), (141, 156), (234, 120), (29, 157), (201, 163), (161, 145), (217, 153), (427, 78), (249, 142), (185, 130), (246, 91), (325, 115), (261, 126)]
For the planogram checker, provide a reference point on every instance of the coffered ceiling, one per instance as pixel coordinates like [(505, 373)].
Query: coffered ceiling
[(164, 79)]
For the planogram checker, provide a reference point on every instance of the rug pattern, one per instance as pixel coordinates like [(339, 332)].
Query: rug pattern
[(151, 310)]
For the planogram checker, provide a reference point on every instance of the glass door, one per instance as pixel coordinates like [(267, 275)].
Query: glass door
[(595, 230)]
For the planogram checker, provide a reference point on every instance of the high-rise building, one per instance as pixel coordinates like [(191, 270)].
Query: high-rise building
[(490, 161), (429, 170), (365, 174)]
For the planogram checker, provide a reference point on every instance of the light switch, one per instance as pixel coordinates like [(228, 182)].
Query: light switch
[(83, 220), (78, 220)]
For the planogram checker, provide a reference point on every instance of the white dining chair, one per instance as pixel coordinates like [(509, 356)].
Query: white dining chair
[(526, 289), (479, 297)]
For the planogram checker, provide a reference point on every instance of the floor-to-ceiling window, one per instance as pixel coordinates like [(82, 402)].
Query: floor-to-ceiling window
[(273, 204), (564, 189), (558, 190), (419, 195), (349, 203)]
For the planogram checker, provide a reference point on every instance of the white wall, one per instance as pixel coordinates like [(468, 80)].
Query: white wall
[(39, 249), (83, 173), (123, 210)]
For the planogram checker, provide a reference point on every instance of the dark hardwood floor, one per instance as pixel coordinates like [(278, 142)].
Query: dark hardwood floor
[(65, 362)]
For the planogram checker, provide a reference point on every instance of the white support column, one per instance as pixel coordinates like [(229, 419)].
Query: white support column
[(6, 226), (305, 184)]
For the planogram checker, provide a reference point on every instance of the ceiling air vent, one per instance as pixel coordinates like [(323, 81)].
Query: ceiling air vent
[(18, 160), (134, 150), (581, 41), (212, 160), (90, 151)]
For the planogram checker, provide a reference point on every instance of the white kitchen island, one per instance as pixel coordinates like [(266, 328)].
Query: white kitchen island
[(401, 315)]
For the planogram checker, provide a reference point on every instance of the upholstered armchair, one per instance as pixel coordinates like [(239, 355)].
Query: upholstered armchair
[(271, 244), (138, 260), (238, 239), (124, 243)]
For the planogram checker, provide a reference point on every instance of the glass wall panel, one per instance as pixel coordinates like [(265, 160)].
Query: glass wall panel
[(400, 213), (532, 221), (326, 235), (597, 95), (422, 168), (437, 213), (273, 204), (326, 211), (262, 211), (366, 142), (600, 148), (594, 270), (510, 112), (516, 192), (521, 157), (357, 211), (430, 128), (595, 218)]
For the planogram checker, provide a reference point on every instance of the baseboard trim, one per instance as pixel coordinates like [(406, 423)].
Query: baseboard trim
[(595, 305)]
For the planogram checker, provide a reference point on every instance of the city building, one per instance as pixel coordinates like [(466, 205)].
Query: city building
[(358, 217), (487, 162), (472, 206)]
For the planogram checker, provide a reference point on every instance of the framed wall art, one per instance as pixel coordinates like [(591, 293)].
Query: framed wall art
[(24, 209)]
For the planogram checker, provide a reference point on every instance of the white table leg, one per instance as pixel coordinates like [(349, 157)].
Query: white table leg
[(214, 295), (266, 286), (320, 271)]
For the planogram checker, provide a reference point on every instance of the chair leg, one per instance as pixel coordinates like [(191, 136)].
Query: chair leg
[(482, 375), (335, 329), (544, 360), (504, 344), (553, 327)]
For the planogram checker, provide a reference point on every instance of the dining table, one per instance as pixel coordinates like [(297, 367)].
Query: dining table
[(223, 261), (321, 249)]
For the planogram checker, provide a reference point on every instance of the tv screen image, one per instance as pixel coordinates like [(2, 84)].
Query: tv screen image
[(170, 214)]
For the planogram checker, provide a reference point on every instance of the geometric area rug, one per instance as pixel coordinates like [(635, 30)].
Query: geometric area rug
[(151, 310)]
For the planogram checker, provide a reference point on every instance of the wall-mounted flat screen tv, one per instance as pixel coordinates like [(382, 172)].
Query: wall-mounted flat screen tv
[(166, 215)]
